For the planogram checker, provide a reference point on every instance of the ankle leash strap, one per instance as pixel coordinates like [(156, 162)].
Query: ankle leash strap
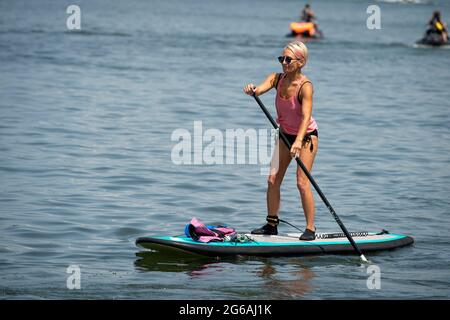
[(273, 219)]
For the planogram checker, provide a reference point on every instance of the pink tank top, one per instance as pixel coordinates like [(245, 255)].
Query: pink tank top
[(289, 112)]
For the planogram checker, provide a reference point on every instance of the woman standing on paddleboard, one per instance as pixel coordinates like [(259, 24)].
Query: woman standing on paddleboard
[(294, 109)]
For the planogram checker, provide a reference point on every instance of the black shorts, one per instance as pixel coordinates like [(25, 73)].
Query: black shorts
[(291, 138)]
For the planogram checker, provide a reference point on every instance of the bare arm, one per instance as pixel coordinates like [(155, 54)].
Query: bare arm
[(265, 86)]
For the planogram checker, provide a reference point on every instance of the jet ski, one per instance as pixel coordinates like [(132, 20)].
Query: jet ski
[(432, 39), (305, 30)]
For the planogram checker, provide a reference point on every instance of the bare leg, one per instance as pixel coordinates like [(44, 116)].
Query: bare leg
[(303, 184), (280, 163)]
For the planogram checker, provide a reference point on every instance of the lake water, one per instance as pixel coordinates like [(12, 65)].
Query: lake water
[(86, 163)]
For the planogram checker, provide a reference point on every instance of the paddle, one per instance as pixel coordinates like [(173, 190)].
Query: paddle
[(322, 196)]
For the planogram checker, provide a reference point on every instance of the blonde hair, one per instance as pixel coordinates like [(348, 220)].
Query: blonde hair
[(299, 49)]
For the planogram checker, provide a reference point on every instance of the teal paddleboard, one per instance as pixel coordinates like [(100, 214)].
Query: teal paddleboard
[(279, 245)]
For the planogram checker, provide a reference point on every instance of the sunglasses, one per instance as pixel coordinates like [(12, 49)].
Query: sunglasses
[(285, 58)]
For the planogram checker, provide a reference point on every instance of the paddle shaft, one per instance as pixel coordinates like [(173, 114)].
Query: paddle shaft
[(313, 182)]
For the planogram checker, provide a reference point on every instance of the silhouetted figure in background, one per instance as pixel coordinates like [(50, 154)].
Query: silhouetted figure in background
[(437, 26), (307, 14)]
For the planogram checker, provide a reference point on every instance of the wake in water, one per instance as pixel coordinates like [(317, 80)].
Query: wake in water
[(76, 32), (424, 46), (409, 1)]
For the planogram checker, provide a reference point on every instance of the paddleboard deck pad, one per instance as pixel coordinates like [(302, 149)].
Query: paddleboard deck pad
[(279, 245)]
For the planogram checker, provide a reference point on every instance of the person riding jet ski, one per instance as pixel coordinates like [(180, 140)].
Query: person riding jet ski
[(307, 27), (307, 14), (437, 33)]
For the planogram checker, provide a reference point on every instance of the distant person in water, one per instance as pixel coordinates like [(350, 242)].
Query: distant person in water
[(307, 14), (436, 25)]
